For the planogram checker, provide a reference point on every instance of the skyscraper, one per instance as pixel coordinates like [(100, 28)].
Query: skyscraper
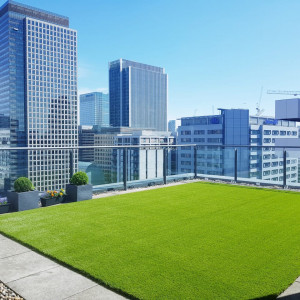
[(94, 109), (38, 88), (138, 95)]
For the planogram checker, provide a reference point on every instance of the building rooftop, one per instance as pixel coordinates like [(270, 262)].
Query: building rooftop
[(33, 12), (126, 63)]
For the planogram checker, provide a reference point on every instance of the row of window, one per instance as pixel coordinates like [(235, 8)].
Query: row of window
[(199, 132), (274, 132), (202, 140)]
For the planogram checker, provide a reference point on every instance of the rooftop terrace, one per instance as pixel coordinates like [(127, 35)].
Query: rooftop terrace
[(191, 241)]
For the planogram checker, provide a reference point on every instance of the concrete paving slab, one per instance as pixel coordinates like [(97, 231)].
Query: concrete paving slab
[(9, 248), (56, 283), (2, 237), (96, 293), (291, 293), (24, 264)]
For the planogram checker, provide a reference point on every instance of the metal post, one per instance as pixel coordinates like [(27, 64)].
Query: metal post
[(125, 168), (195, 162), (146, 164), (235, 164), (284, 168), (165, 152), (71, 154)]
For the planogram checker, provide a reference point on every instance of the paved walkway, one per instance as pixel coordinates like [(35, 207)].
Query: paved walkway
[(34, 276), (291, 293)]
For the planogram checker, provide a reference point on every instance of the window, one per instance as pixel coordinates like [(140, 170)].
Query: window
[(282, 132), (186, 132), (254, 131), (199, 140), (275, 132), (197, 132), (214, 140), (219, 131), (186, 140), (267, 141), (267, 132)]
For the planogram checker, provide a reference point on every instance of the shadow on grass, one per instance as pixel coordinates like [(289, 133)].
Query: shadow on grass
[(295, 296)]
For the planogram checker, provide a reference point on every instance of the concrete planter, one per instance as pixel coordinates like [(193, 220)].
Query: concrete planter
[(23, 201), (51, 201), (77, 193), (4, 208)]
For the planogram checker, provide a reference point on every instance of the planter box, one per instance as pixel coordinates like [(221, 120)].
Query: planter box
[(23, 201), (79, 192), (51, 201), (4, 208)]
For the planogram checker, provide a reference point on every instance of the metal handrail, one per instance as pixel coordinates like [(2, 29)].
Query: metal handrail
[(145, 146)]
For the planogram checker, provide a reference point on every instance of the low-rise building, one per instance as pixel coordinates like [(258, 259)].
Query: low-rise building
[(216, 136)]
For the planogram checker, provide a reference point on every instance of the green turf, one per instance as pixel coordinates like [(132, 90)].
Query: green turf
[(193, 241)]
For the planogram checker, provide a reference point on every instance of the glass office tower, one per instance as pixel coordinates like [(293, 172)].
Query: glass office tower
[(138, 95), (94, 109), (38, 90)]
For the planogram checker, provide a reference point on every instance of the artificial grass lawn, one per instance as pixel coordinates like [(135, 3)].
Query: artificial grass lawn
[(196, 240)]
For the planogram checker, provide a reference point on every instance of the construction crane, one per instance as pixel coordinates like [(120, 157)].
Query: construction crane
[(259, 111), (292, 93)]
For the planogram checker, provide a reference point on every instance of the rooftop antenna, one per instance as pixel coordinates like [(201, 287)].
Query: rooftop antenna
[(259, 111)]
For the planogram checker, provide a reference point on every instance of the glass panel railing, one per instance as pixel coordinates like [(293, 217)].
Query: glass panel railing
[(260, 165), (118, 167), (180, 162), (215, 162), (292, 167)]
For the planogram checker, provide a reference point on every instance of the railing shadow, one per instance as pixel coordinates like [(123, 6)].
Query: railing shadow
[(295, 296)]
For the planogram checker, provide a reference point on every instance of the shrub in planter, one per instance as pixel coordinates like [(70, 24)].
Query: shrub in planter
[(79, 189), (4, 206), (24, 196), (22, 185), (53, 197), (79, 178)]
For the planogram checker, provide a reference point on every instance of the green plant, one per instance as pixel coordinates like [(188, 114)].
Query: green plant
[(79, 178), (23, 184)]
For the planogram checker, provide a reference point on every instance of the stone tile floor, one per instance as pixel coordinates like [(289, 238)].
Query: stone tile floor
[(34, 276)]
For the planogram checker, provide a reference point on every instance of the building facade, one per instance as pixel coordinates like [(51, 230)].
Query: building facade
[(94, 109), (173, 126), (38, 80), (144, 159), (138, 95), (216, 136)]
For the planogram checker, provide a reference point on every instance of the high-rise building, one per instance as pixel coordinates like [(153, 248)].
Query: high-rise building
[(94, 109), (38, 88), (138, 95), (173, 126)]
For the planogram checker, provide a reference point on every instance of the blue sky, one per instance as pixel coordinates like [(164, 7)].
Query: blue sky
[(216, 53)]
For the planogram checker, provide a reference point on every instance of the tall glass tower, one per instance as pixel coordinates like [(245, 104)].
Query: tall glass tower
[(94, 109), (38, 92), (138, 95)]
